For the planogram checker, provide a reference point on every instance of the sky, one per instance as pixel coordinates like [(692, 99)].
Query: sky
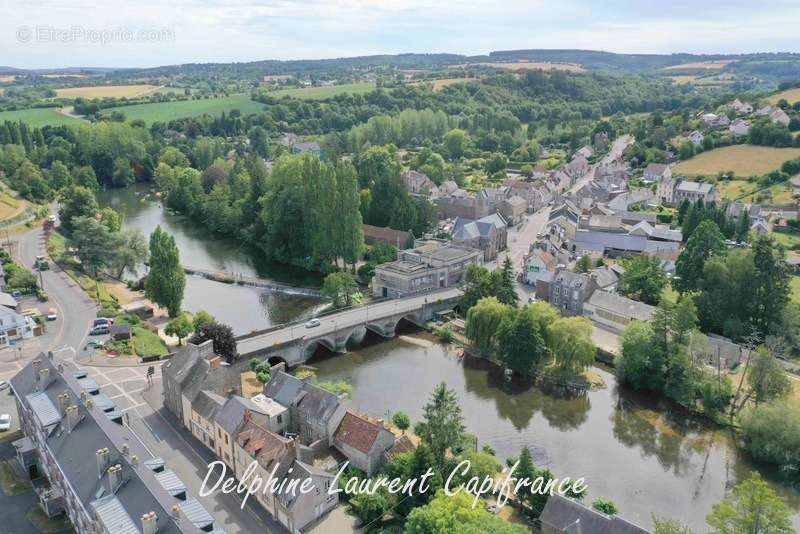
[(143, 33)]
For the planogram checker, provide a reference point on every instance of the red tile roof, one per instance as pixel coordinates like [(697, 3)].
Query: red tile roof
[(357, 432)]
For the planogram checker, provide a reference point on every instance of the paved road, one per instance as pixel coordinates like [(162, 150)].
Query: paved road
[(345, 319)]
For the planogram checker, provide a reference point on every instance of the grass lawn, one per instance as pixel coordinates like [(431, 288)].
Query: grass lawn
[(147, 343), (101, 91), (46, 525), (320, 93), (39, 117), (167, 111), (791, 96), (743, 160), (10, 483), (10, 206), (785, 239), (795, 285)]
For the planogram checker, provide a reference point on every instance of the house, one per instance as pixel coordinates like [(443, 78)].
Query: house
[(562, 515), (390, 236), (656, 172), (642, 238), (615, 311), (202, 414), (600, 141), (14, 326), (694, 191), (94, 469), (314, 413), (742, 108), (696, 138), (577, 167), (709, 118), (431, 264), (606, 223), (630, 199), (585, 151), (608, 277), (568, 291), (297, 509), (760, 227), (363, 442), (539, 265), (489, 234), (459, 204), (779, 116), (235, 412), (448, 187), (418, 183), (534, 192), (513, 209), (563, 221), (739, 127), (7, 300)]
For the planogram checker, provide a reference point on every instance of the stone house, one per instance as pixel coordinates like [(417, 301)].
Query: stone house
[(202, 414), (539, 265), (696, 138), (231, 417), (363, 442), (489, 234), (739, 127), (513, 209), (563, 221), (568, 291), (742, 108), (656, 172), (562, 515), (419, 183), (295, 510), (314, 413)]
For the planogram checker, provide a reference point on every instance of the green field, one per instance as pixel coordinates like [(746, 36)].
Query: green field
[(320, 93), (167, 111), (794, 283), (743, 160), (39, 117)]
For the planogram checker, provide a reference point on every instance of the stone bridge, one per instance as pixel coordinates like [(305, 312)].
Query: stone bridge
[(294, 343)]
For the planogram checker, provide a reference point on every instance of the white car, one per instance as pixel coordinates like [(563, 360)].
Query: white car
[(312, 323), (5, 422)]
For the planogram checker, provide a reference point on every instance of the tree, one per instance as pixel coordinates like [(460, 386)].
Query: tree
[(371, 507), (771, 283), (166, 280), (96, 246), (766, 376), (772, 434), (644, 278), (521, 342), (339, 287), (606, 506), (637, 363), (76, 201), (133, 252), (669, 526), (179, 327), (455, 142), (684, 318), (262, 370), (123, 174), (571, 344), (223, 340), (706, 241), (507, 291), (456, 515), (483, 321), (753, 507), (402, 421), (442, 424), (583, 264), (743, 226), (200, 318), (111, 218)]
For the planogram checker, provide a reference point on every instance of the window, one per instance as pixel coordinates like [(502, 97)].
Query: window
[(226, 439), (280, 419)]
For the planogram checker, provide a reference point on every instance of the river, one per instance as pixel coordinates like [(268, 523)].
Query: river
[(244, 308), (641, 455), (630, 450)]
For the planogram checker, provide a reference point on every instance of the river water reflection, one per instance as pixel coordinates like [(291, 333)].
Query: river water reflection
[(629, 450), (244, 308)]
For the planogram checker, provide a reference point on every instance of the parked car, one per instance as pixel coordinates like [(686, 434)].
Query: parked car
[(94, 344), (99, 330), (52, 314), (312, 323), (5, 422), (3, 385), (100, 321)]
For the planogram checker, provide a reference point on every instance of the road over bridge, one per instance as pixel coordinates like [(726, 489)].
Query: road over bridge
[(294, 343)]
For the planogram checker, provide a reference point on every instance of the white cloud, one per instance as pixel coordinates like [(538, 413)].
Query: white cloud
[(246, 30)]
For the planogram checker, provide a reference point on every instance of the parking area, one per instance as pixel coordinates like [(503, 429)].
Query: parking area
[(8, 406)]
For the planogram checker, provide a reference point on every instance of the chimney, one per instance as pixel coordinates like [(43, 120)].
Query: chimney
[(89, 404), (114, 478), (176, 511), (206, 349), (60, 368), (49, 354), (134, 460), (125, 449), (101, 455), (149, 525), (63, 403), (83, 395), (303, 453), (72, 415)]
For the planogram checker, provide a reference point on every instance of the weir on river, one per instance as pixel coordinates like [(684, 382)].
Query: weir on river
[(251, 281)]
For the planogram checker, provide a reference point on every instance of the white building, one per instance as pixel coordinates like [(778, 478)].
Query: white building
[(14, 326)]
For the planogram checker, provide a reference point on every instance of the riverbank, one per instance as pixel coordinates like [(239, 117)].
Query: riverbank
[(643, 454)]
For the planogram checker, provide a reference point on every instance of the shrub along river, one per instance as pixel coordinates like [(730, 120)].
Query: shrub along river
[(639, 453)]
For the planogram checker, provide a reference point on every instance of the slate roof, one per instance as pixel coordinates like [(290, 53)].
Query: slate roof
[(656, 168), (283, 387), (309, 398), (75, 453), (622, 305), (8, 301), (562, 513), (358, 432), (207, 403), (694, 187)]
